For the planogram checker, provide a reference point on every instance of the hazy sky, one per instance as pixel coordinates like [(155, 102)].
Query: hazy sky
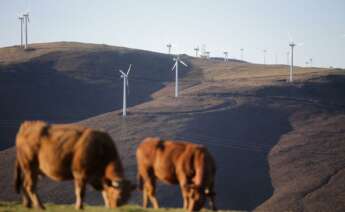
[(219, 24)]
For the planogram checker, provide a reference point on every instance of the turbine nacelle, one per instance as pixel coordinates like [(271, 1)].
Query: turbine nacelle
[(26, 16), (123, 73), (178, 60), (124, 76)]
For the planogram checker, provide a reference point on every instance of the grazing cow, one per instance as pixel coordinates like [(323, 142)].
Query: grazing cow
[(69, 152), (189, 165)]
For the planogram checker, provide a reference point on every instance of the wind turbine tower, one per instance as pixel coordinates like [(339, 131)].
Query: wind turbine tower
[(226, 54), (21, 18), (207, 54), (265, 56), (311, 62), (27, 20), (292, 45), (124, 76), (196, 51), (242, 53), (169, 48), (177, 61)]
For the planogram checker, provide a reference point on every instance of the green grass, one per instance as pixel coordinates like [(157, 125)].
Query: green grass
[(15, 206)]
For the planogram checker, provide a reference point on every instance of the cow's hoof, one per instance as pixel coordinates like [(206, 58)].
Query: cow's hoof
[(79, 207), (27, 204), (40, 207)]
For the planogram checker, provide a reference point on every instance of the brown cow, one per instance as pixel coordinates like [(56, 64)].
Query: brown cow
[(69, 152), (189, 165)]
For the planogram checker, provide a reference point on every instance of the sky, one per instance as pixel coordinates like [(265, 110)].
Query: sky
[(220, 25)]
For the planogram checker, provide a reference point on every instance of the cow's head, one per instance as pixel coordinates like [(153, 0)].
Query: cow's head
[(196, 196), (117, 192)]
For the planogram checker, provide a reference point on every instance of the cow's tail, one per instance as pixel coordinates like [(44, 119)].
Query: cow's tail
[(199, 166), (17, 177)]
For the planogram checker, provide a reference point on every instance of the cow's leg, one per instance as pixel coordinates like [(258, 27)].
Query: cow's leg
[(184, 189), (30, 182), (145, 198), (184, 192), (80, 184), (106, 202), (149, 190), (210, 195), (26, 199), (149, 187), (191, 206), (211, 202)]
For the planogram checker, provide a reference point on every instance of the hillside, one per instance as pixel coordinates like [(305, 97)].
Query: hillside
[(278, 146)]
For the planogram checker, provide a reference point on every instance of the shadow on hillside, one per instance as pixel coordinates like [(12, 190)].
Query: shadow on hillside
[(325, 92), (240, 140)]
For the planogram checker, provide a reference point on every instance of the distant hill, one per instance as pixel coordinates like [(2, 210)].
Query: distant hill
[(278, 146)]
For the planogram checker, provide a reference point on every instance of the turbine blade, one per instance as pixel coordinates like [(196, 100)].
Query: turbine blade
[(290, 37), (129, 69), (174, 66), (300, 44), (122, 73), (183, 63)]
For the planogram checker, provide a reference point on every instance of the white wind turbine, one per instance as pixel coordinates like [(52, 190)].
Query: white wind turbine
[(196, 51), (21, 18), (264, 51), (226, 54), (177, 61), (169, 47), (27, 20), (292, 44), (241, 53), (124, 76), (208, 54)]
